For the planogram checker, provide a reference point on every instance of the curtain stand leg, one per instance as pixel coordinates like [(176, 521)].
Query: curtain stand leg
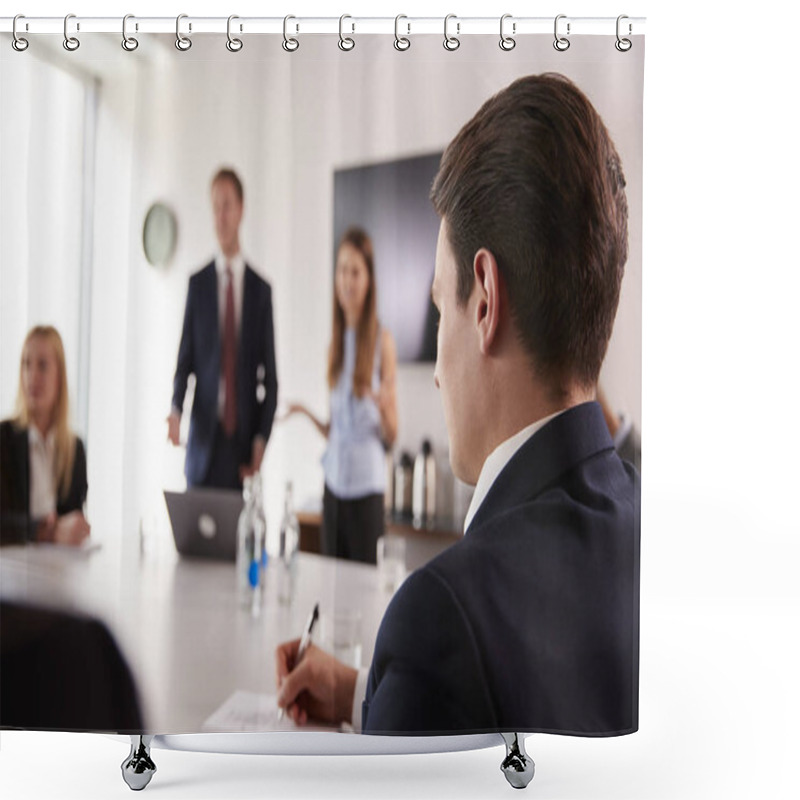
[(138, 768), (517, 766)]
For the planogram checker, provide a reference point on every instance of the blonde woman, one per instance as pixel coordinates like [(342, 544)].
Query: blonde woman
[(42, 462), (362, 367)]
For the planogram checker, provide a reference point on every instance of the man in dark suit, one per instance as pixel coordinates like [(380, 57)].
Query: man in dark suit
[(530, 623), (228, 344)]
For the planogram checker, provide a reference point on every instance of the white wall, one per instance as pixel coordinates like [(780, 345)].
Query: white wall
[(168, 120), (40, 193), (286, 124)]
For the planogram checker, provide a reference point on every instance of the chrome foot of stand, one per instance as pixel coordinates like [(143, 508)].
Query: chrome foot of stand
[(517, 766), (138, 768)]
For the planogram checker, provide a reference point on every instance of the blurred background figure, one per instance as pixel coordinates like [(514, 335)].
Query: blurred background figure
[(362, 371), (63, 671), (42, 462), (228, 344), (626, 438)]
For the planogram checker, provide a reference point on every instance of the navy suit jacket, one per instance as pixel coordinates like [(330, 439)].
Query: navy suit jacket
[(199, 354), (530, 623)]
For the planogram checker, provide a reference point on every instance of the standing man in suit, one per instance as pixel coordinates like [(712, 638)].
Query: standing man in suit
[(228, 344), (530, 622)]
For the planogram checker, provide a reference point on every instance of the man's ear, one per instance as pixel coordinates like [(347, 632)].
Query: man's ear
[(487, 311)]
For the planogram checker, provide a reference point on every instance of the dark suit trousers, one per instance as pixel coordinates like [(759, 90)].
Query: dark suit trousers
[(351, 528), (223, 469)]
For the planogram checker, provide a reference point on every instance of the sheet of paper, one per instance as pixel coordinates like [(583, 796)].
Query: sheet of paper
[(252, 712)]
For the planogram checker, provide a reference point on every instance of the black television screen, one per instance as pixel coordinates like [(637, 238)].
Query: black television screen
[(390, 201)]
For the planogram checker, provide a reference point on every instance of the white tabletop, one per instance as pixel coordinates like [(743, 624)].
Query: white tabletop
[(188, 642)]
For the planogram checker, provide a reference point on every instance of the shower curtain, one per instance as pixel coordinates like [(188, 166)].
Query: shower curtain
[(110, 157)]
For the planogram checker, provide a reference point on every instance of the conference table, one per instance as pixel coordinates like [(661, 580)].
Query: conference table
[(179, 623)]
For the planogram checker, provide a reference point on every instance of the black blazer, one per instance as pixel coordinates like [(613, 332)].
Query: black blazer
[(530, 623), (199, 354), (16, 526)]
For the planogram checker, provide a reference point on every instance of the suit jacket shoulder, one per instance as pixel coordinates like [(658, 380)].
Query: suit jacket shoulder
[(546, 586)]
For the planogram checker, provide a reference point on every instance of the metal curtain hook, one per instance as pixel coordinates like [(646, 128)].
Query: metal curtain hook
[(183, 43), (507, 42), (451, 42), (401, 42), (345, 42), (71, 43), (129, 43), (623, 45), (233, 44), (18, 43), (290, 44), (561, 43)]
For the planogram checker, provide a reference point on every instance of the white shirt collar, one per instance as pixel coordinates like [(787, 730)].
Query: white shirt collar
[(496, 462), (237, 265), (35, 437)]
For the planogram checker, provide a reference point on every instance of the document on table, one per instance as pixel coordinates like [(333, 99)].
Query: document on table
[(251, 712)]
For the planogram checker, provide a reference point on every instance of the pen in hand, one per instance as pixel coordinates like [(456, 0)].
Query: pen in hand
[(305, 641)]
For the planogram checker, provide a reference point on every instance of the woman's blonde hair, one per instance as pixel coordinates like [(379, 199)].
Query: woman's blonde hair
[(64, 437), (367, 330)]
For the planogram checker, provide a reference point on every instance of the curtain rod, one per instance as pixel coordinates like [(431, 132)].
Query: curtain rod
[(405, 26)]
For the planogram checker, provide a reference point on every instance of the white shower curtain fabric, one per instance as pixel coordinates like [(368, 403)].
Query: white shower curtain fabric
[(322, 140)]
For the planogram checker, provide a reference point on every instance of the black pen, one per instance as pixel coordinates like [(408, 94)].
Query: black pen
[(305, 641)]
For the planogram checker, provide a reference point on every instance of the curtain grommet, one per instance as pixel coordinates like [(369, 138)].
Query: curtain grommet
[(401, 43), (623, 44), (507, 43), (561, 43), (233, 44), (71, 43), (183, 43), (289, 44), (451, 43)]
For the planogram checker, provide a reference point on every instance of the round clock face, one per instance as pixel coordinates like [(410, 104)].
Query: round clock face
[(159, 235)]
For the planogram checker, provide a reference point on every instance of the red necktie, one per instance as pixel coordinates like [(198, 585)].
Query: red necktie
[(229, 357)]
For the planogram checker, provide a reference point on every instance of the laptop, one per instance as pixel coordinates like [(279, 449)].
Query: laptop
[(204, 522)]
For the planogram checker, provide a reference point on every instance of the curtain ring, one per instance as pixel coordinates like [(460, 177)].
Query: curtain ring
[(70, 43), (290, 44), (507, 42), (623, 45), (345, 42), (451, 42), (129, 43), (561, 43), (18, 43), (233, 44), (183, 43), (401, 42)]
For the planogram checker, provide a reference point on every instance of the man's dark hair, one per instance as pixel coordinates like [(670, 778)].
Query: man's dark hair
[(227, 174), (535, 179)]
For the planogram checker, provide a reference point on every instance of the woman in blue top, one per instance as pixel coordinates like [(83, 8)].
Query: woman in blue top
[(362, 368)]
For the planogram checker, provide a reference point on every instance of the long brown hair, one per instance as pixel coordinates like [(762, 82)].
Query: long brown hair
[(367, 330), (65, 438)]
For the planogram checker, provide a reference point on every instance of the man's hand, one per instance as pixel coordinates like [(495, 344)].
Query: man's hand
[(319, 688), (71, 529), (259, 446), (174, 428)]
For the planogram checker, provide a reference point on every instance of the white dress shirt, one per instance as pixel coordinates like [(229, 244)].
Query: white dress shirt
[(42, 460), (237, 269), (496, 462)]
